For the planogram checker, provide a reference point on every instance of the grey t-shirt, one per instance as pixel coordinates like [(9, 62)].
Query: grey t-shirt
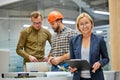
[(85, 55)]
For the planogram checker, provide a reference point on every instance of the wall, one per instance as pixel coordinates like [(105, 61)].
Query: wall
[(114, 8)]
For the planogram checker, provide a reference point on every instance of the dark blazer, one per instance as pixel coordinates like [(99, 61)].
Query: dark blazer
[(98, 52)]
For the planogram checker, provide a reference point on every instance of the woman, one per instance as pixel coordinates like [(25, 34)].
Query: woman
[(90, 47)]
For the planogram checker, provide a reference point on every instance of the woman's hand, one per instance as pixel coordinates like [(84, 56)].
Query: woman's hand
[(72, 70), (96, 66)]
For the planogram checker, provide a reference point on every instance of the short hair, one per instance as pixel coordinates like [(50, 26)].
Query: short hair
[(81, 16), (35, 14)]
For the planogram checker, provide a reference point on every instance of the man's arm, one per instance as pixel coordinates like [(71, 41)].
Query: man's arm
[(20, 46), (64, 57)]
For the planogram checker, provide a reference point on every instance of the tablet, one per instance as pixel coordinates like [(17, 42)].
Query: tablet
[(79, 64)]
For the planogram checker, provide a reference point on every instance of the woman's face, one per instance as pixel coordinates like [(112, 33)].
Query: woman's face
[(85, 25)]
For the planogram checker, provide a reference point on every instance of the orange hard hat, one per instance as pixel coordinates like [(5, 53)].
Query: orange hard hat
[(54, 15)]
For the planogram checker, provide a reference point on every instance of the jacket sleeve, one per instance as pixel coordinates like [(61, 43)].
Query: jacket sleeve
[(103, 52)]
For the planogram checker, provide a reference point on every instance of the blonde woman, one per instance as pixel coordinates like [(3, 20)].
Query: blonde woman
[(90, 47)]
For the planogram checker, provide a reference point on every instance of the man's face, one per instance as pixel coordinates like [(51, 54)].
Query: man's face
[(37, 22), (55, 26)]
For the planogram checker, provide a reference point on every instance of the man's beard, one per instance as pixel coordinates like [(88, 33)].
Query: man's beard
[(57, 29)]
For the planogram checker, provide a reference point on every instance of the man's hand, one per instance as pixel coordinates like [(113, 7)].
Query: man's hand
[(32, 58), (54, 60), (50, 60), (45, 59)]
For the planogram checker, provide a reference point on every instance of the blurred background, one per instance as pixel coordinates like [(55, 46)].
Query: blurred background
[(15, 15)]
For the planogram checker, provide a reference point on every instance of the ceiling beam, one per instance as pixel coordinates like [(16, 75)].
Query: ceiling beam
[(99, 2), (5, 2)]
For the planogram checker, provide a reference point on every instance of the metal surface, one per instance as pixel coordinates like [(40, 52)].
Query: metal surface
[(36, 76), (109, 75)]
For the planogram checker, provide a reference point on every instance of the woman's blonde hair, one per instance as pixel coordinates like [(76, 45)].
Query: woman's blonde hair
[(81, 16)]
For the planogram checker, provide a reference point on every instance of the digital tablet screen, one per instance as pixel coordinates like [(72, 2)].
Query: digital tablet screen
[(79, 64)]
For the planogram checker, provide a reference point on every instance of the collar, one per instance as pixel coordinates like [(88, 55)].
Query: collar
[(35, 29)]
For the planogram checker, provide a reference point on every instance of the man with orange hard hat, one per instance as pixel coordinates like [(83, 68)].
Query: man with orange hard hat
[(59, 41)]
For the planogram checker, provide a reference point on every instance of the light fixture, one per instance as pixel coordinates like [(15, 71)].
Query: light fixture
[(99, 31), (68, 22), (26, 25), (101, 12), (46, 27)]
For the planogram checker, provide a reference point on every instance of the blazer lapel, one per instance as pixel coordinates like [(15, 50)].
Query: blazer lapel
[(79, 42), (91, 47)]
